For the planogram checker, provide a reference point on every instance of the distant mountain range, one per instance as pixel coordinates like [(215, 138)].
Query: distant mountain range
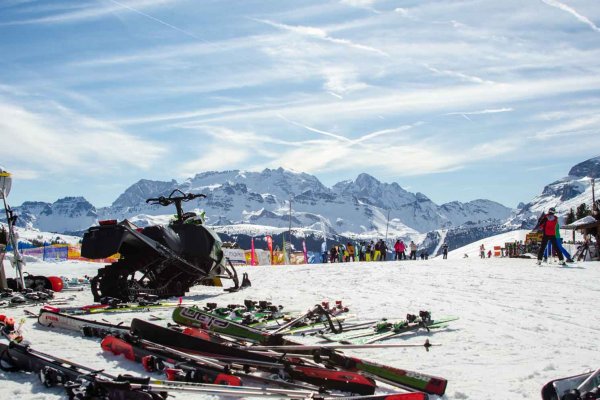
[(248, 203)]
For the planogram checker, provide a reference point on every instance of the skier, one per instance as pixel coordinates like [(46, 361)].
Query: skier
[(559, 240), (398, 254), (377, 247), (383, 249), (445, 251), (413, 250), (482, 251), (324, 252), (350, 249), (548, 224), (333, 254), (363, 251), (402, 249)]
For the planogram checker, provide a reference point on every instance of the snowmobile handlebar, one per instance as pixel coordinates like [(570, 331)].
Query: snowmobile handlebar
[(166, 201), (177, 200)]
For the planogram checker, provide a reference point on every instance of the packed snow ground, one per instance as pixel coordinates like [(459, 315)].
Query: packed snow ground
[(520, 325)]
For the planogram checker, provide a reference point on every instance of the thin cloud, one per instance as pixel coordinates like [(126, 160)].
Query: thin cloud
[(58, 139), (318, 33), (460, 75), (319, 131), (135, 10), (481, 112), (88, 13), (572, 11)]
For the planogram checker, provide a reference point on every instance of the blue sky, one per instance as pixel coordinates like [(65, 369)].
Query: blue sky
[(459, 100)]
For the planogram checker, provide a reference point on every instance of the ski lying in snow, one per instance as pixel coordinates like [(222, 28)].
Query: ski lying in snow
[(577, 387), (387, 330), (196, 317), (315, 375), (395, 376), (112, 307), (87, 327)]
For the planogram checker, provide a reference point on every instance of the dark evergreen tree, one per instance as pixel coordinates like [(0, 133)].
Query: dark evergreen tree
[(570, 217), (582, 211)]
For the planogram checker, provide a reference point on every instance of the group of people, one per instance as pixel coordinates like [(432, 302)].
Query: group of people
[(400, 249), (370, 251)]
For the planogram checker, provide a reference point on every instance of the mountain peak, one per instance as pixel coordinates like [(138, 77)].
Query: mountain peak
[(589, 168), (365, 180)]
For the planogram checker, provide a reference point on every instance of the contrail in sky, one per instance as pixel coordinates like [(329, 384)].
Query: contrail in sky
[(572, 11), (155, 19)]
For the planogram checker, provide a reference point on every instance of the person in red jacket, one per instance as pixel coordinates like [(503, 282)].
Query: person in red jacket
[(398, 255), (547, 224)]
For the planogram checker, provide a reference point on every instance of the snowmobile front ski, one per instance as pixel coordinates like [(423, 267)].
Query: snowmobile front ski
[(576, 387)]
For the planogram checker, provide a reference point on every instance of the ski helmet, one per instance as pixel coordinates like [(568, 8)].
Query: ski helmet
[(551, 210)]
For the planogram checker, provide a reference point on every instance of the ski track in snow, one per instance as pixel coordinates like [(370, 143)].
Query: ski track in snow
[(520, 325)]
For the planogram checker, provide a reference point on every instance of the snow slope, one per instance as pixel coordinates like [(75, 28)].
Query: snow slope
[(520, 325)]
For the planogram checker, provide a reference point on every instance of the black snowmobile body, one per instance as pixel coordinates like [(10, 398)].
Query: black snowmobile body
[(163, 261)]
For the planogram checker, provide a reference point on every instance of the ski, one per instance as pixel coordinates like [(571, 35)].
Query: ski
[(387, 330), (306, 347), (395, 376), (196, 317), (112, 307), (54, 319)]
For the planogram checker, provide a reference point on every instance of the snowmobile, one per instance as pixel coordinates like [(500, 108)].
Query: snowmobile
[(161, 261)]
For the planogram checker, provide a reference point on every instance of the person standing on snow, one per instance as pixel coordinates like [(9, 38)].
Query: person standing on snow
[(413, 250), (397, 255), (383, 249), (324, 252), (350, 250), (482, 251), (547, 224), (333, 254), (402, 250), (445, 251)]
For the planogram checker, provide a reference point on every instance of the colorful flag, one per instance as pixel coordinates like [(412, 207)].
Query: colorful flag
[(284, 251), (305, 252), (270, 246), (252, 254)]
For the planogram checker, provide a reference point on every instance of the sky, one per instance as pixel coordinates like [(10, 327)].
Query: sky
[(459, 100)]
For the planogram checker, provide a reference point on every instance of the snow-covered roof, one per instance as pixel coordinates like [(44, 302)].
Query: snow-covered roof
[(582, 222)]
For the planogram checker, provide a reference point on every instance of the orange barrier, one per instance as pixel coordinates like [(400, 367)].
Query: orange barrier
[(497, 251)]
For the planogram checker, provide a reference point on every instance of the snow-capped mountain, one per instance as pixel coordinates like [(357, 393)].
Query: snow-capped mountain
[(564, 194), (358, 207), (361, 207), (66, 215)]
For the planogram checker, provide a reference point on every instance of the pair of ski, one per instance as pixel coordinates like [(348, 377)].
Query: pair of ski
[(113, 307), (153, 346), (384, 329), (329, 356)]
